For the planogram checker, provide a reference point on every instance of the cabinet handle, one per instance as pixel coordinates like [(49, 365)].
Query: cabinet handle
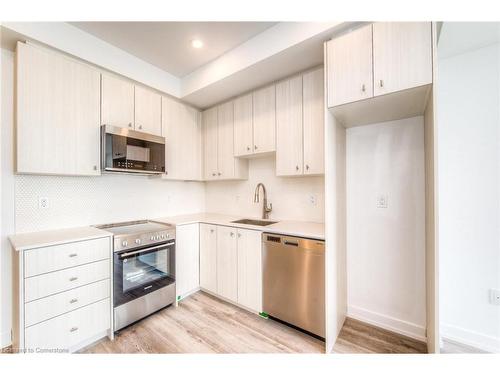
[(95, 167), (73, 255), (166, 172), (73, 329), (307, 166), (363, 88), (255, 147), (213, 174), (239, 235), (211, 230), (381, 83), (219, 174), (248, 148), (73, 278), (232, 234), (296, 167), (74, 300), (140, 126), (129, 124)]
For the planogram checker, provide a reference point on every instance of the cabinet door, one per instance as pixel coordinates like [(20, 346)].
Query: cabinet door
[(314, 113), (250, 269), (209, 120), (243, 126), (187, 258), (402, 56), (57, 114), (117, 102), (225, 141), (172, 129), (349, 63), (147, 111), (192, 138), (264, 120), (227, 263), (208, 257), (289, 158)]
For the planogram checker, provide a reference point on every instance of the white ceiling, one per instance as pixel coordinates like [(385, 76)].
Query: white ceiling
[(167, 45), (460, 37)]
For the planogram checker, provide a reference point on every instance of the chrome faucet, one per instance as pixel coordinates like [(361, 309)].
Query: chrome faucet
[(265, 208)]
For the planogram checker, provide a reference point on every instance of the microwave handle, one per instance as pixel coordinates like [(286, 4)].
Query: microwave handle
[(168, 244)]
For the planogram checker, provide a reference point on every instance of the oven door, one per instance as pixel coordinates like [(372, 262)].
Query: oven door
[(142, 271), (125, 150)]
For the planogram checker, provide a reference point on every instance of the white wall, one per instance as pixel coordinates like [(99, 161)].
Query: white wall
[(73, 201), (386, 246), (290, 196), (469, 190)]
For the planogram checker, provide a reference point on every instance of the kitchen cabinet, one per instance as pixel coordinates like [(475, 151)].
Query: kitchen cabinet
[(379, 59), (218, 140), (249, 269), (57, 110), (350, 67), (264, 120), (227, 263), (208, 257), (210, 143), (147, 114), (243, 126), (181, 127), (313, 125), (289, 141), (117, 102), (187, 260), (402, 56)]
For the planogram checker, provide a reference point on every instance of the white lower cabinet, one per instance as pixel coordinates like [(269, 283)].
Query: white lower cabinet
[(231, 264), (62, 302), (250, 269), (208, 257), (187, 260), (227, 263)]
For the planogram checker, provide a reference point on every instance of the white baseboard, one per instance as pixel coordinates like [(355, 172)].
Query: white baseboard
[(187, 294), (470, 338), (391, 324), (5, 339)]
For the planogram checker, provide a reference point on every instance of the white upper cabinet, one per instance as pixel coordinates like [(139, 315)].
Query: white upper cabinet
[(264, 120), (57, 114), (402, 56), (117, 102), (243, 126), (181, 127), (250, 269), (225, 141), (227, 263), (289, 141), (349, 59), (208, 257), (209, 120), (147, 111), (314, 113)]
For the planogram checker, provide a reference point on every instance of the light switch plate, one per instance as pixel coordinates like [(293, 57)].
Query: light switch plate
[(312, 199), (381, 200), (43, 202)]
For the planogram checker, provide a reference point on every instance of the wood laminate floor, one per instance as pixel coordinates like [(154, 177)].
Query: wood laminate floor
[(205, 324)]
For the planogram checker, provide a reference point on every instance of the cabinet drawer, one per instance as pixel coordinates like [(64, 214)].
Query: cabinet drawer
[(53, 258), (68, 330), (49, 307), (55, 282)]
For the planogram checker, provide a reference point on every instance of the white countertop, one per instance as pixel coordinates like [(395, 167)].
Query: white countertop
[(286, 227), (25, 241)]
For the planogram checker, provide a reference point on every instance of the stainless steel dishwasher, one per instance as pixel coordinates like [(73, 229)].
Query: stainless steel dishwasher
[(294, 281)]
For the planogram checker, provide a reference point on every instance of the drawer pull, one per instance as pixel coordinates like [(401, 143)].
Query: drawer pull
[(73, 278), (74, 300), (73, 255), (73, 329)]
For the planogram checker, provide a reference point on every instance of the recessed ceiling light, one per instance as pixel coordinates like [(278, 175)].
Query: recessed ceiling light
[(196, 43)]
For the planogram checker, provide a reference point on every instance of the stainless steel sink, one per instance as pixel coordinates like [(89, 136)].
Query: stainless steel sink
[(261, 223)]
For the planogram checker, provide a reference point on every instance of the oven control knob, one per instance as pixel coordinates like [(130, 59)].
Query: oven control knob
[(138, 241), (124, 244), (162, 236), (152, 238), (168, 235), (157, 238)]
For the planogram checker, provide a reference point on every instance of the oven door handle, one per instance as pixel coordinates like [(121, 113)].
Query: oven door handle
[(168, 244)]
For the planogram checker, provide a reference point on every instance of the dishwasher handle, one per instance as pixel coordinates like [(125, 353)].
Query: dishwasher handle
[(291, 243)]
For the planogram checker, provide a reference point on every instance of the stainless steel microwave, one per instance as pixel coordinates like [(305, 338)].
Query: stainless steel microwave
[(129, 151)]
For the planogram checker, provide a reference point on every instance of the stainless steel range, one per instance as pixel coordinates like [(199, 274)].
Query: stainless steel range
[(143, 269)]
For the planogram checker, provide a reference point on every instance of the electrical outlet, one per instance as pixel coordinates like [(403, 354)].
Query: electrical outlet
[(495, 296), (43, 202), (312, 199), (382, 201)]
